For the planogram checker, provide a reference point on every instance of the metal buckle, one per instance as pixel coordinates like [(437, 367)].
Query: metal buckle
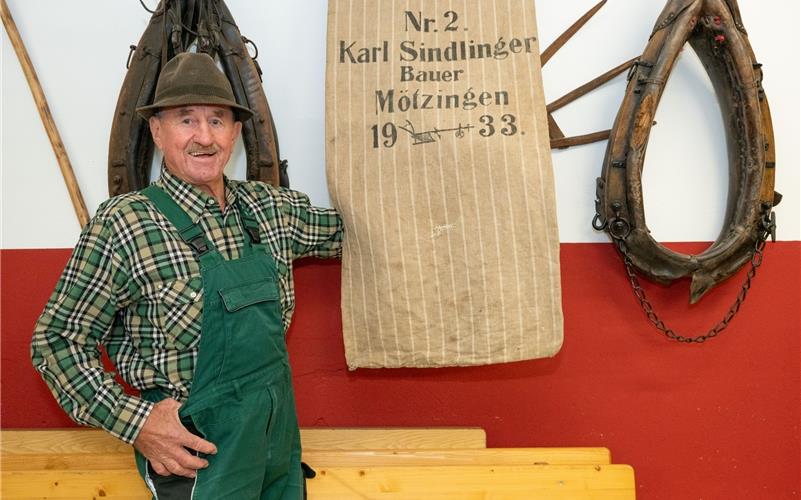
[(199, 244)]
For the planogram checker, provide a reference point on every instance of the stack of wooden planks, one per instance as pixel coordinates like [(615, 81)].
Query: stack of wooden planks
[(396, 463)]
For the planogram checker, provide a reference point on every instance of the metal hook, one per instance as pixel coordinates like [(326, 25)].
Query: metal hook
[(246, 41), (142, 2), (130, 55)]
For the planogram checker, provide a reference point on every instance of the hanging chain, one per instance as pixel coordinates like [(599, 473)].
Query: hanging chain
[(767, 228)]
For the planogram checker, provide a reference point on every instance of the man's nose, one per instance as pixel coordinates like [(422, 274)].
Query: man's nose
[(203, 134)]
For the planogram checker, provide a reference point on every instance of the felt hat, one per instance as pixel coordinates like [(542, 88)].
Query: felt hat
[(193, 78)]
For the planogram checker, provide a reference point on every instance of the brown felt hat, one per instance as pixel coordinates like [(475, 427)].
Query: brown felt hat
[(193, 78)]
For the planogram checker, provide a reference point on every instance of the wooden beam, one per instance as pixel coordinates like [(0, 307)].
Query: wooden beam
[(562, 39), (575, 482), (72, 441), (61, 484), (590, 86), (334, 458), (577, 140)]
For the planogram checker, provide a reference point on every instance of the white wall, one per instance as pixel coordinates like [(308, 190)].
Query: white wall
[(79, 49)]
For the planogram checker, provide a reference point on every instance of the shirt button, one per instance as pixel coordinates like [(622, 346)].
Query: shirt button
[(193, 294)]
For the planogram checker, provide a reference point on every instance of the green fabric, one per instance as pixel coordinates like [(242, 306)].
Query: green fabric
[(133, 285), (241, 397)]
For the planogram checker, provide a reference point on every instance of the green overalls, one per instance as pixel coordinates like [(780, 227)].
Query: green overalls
[(241, 397)]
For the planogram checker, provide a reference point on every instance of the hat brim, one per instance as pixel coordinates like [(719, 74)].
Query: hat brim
[(241, 113)]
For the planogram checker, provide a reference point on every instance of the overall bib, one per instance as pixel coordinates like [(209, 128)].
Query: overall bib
[(241, 397)]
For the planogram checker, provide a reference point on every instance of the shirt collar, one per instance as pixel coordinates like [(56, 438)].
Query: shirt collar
[(191, 199)]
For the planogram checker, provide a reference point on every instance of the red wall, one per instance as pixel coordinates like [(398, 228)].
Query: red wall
[(712, 421)]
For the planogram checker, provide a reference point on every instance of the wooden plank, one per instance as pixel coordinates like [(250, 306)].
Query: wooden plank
[(110, 484), (486, 456), (68, 461), (334, 458), (60, 441), (71, 441), (395, 438), (566, 482), (75, 463), (573, 482)]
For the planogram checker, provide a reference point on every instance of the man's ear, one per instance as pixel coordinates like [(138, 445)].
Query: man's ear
[(155, 130), (237, 130)]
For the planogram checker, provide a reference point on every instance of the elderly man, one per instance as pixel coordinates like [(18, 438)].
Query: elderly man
[(188, 284)]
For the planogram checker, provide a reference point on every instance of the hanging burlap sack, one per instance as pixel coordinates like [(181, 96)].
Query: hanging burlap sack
[(438, 159)]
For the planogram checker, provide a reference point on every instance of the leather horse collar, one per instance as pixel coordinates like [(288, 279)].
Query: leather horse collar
[(173, 28), (715, 31)]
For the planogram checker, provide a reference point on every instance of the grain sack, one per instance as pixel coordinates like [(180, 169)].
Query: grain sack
[(438, 159)]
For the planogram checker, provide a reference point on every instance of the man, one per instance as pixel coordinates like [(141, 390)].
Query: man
[(188, 284)]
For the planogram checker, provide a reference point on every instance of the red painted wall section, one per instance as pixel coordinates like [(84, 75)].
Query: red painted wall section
[(712, 421)]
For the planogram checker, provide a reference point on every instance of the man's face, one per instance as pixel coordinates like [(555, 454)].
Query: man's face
[(197, 141)]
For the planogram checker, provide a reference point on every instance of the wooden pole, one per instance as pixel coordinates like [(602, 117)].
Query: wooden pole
[(562, 39), (578, 140), (47, 118), (590, 86)]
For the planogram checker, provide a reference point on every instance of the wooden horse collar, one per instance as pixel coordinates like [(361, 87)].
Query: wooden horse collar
[(715, 31), (173, 28)]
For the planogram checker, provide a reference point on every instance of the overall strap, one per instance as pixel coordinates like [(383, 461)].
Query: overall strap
[(190, 232), (250, 224), (253, 239)]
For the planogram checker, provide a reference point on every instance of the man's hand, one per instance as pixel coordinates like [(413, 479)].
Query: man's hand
[(163, 440)]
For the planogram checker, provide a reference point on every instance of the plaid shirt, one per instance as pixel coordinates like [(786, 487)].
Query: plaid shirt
[(134, 286)]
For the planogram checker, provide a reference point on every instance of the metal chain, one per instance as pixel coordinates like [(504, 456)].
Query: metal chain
[(768, 229)]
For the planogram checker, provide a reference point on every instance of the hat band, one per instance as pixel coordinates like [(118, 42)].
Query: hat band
[(195, 89)]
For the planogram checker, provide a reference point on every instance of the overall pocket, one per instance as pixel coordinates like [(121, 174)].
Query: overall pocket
[(253, 332)]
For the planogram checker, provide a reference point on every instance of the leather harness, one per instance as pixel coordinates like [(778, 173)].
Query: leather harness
[(173, 28), (715, 31)]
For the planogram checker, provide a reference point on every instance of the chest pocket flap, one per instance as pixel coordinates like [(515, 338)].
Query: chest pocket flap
[(236, 298)]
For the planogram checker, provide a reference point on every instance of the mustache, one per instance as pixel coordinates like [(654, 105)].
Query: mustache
[(198, 149)]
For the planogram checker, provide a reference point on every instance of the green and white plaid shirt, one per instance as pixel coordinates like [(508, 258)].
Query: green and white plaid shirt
[(134, 286)]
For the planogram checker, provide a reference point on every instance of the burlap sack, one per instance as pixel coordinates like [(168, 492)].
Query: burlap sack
[(438, 159)]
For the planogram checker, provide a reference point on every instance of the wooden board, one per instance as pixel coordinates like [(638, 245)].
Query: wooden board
[(487, 456), (60, 441), (71, 441), (599, 482), (373, 438), (67, 461), (335, 458), (439, 463), (574, 482), (60, 484)]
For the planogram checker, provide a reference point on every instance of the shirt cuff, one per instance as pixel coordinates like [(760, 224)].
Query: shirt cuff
[(128, 418)]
